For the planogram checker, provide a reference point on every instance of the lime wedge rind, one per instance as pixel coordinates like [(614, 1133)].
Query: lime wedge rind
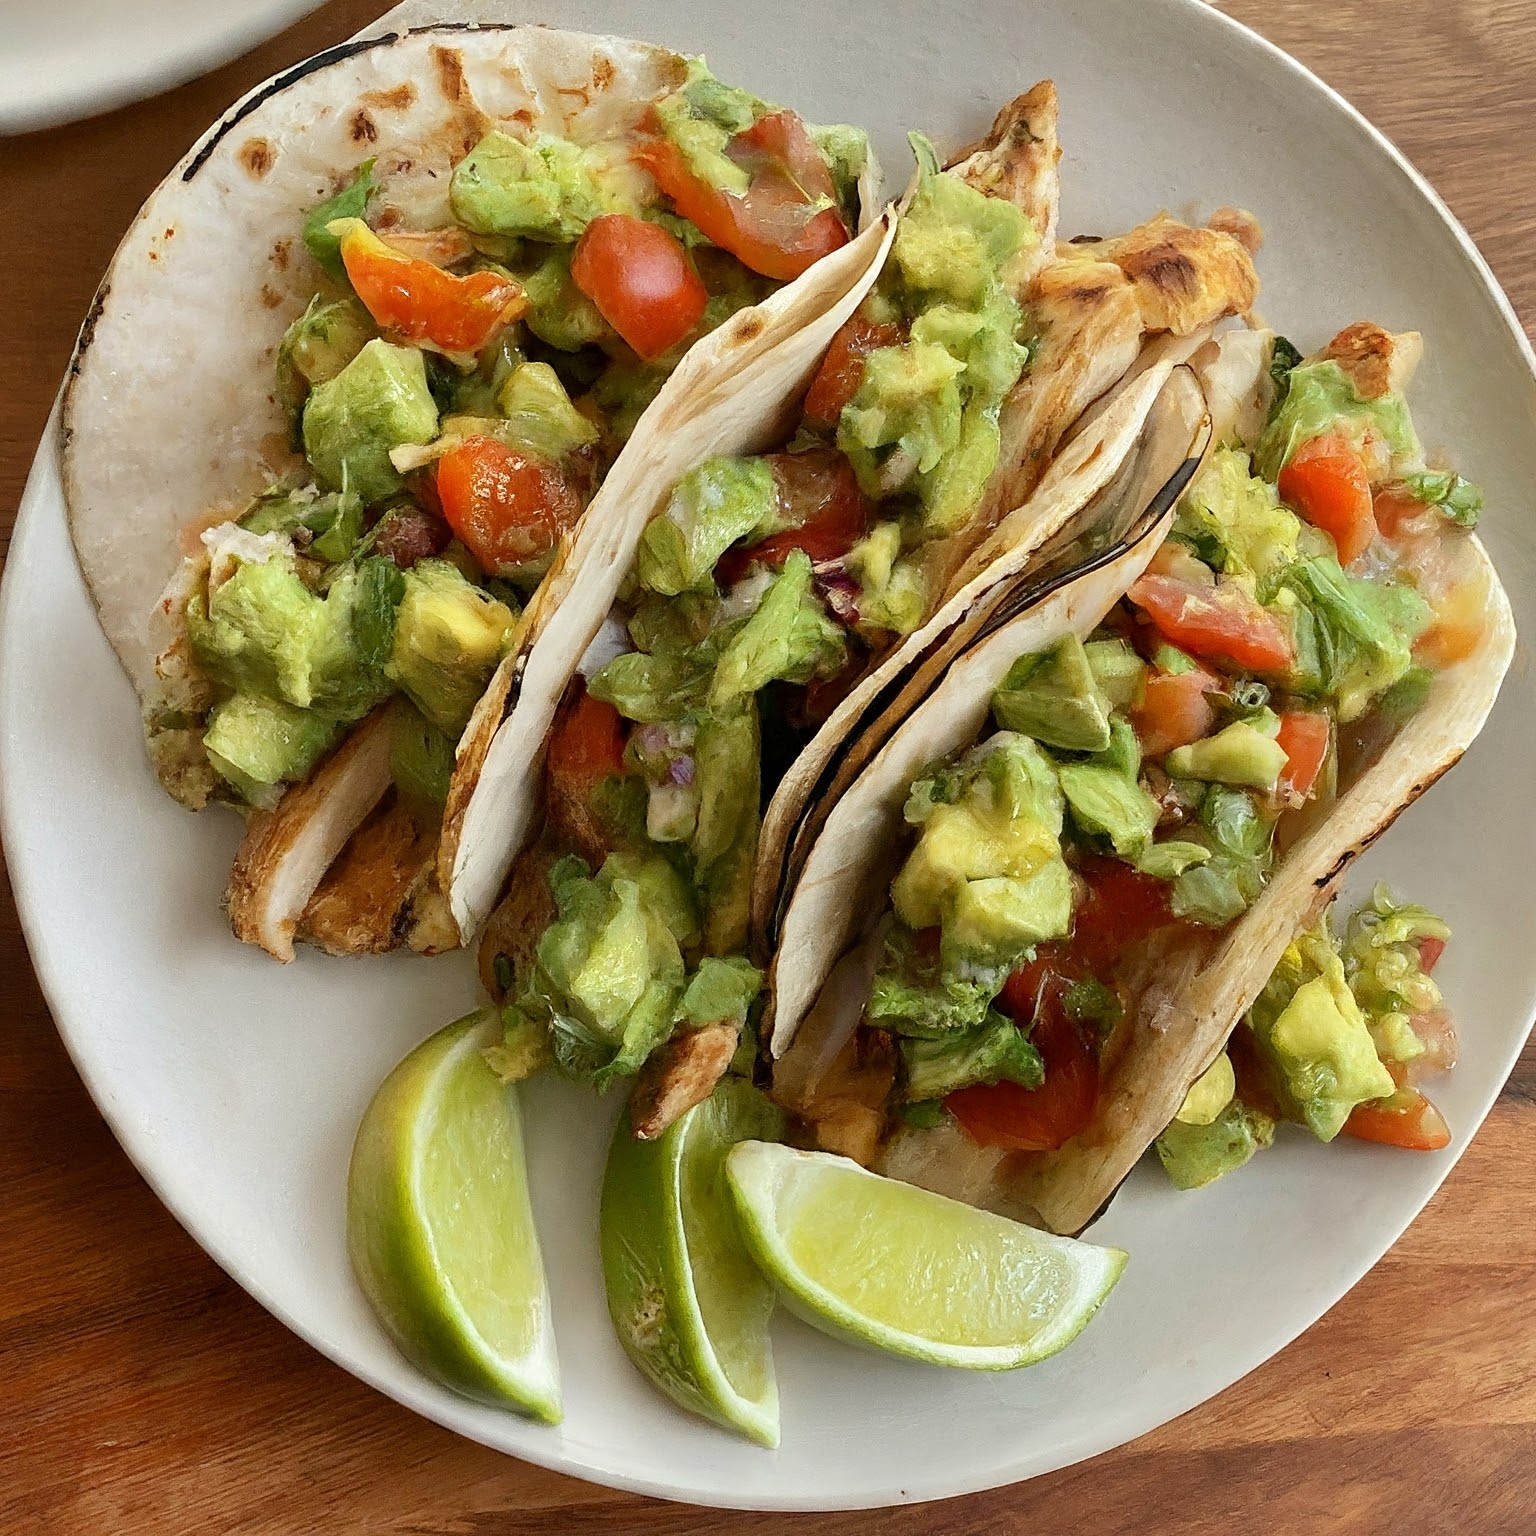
[(409, 1273), (765, 1180), (653, 1300)]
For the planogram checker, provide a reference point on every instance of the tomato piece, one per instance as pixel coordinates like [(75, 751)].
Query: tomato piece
[(641, 280), (423, 303), (1396, 512), (1407, 1119), (1303, 737), (1326, 483), (586, 748), (1430, 950), (509, 508), (1173, 711), (1041, 1119), (1121, 907), (1221, 623), (819, 496), (842, 368), (774, 227), (1437, 1029), (780, 142)]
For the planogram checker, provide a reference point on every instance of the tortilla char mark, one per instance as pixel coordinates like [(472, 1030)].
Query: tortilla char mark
[(396, 99), (361, 127), (449, 63), (257, 156)]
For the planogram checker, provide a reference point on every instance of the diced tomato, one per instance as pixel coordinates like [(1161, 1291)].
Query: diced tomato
[(1407, 1119), (508, 507), (423, 303), (1326, 482), (781, 224), (819, 497), (1430, 950), (1303, 738), (1173, 711), (842, 368), (1122, 906), (586, 747), (1017, 1119), (641, 280), (1395, 511), (1221, 623), (1437, 1029)]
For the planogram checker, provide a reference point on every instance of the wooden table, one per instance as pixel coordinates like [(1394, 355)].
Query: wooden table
[(145, 1392)]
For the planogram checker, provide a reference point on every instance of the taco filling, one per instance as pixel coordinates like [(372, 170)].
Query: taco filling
[(1136, 795), (457, 394)]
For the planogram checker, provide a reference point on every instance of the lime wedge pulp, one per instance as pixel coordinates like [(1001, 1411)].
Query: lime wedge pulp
[(687, 1303), (897, 1268), (440, 1229)]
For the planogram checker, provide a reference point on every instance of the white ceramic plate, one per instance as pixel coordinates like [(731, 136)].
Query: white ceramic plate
[(64, 59), (235, 1084)]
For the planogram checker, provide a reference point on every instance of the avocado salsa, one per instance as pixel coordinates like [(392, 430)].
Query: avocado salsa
[(457, 394), (756, 592), (1134, 797)]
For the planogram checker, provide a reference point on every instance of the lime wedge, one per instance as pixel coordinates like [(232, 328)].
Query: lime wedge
[(892, 1266), (439, 1226), (688, 1304)]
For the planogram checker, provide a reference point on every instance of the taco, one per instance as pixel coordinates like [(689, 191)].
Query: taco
[(1099, 847), (357, 373), (897, 447)]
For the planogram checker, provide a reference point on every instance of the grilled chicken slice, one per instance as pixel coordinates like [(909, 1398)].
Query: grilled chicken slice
[(681, 1074), (1019, 161), (287, 850), (361, 904), (513, 930)]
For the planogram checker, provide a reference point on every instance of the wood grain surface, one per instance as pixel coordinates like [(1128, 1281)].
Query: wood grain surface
[(143, 1391)]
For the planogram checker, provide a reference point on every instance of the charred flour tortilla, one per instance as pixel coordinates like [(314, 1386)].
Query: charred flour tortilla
[(1182, 1010), (176, 419)]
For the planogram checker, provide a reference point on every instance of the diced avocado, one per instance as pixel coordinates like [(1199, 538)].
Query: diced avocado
[(985, 340), (325, 526), (1317, 1042), (1235, 520), (1170, 659), (728, 759), (448, 637), (1123, 754), (908, 404), (547, 189), (524, 1049), (1118, 671), (1321, 398), (789, 637), (1167, 861), (663, 888), (847, 153), (1233, 818), (1216, 891), (1385, 969), (1107, 803), (377, 402), (1459, 501), (914, 995), (1236, 754), (952, 491), (996, 1052), (1196, 1155), (420, 756), (349, 203), (1209, 1094), (992, 920), (720, 991), (892, 589), (701, 118), (559, 313), (954, 240), (317, 346), (255, 742), (715, 505), (1053, 696), (540, 413)]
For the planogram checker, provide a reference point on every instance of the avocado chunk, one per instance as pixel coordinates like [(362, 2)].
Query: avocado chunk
[(539, 413), (719, 992), (448, 638), (789, 637), (663, 889), (1236, 754), (989, 921), (351, 202), (728, 770), (548, 189), (1314, 1038), (1234, 520), (377, 402), (256, 742), (715, 505), (1194, 1155), (1054, 696), (1118, 671), (317, 346), (893, 590), (420, 756), (702, 118), (1110, 804), (326, 526), (524, 1049), (996, 1052), (1209, 1094), (908, 403), (559, 313)]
